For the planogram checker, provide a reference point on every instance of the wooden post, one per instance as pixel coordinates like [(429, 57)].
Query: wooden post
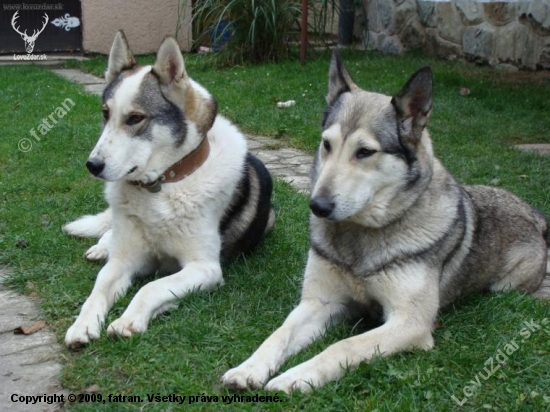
[(303, 40)]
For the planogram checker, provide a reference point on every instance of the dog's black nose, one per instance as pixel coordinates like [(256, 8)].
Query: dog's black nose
[(95, 166), (321, 206)]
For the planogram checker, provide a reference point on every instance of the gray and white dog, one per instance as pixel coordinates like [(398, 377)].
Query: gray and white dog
[(391, 231), (183, 191)]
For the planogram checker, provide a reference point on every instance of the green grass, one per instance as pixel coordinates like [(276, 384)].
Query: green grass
[(495, 111), (187, 350)]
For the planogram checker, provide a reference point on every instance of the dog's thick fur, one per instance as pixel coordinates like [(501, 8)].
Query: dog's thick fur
[(393, 233), (153, 117)]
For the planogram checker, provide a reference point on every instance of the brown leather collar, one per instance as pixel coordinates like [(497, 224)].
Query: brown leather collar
[(180, 169)]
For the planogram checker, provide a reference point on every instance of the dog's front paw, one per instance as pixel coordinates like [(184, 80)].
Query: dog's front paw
[(299, 378), (247, 375), (82, 332), (96, 253), (126, 327)]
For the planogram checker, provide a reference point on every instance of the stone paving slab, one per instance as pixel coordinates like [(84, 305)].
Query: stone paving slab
[(77, 76), (540, 148), (96, 89), (29, 364), (291, 165)]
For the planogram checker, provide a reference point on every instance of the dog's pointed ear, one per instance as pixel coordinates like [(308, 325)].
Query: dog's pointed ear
[(199, 106), (169, 65), (339, 81), (120, 57), (413, 105)]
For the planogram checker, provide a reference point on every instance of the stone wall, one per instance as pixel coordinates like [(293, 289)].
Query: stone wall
[(498, 33)]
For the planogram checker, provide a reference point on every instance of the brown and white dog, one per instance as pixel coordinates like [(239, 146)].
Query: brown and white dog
[(183, 192)]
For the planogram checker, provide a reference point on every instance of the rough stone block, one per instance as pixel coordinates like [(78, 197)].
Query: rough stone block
[(371, 41), (544, 58), (500, 14), (537, 16), (430, 46), (392, 45), (449, 23), (380, 40), (426, 12), (478, 41), (404, 12), (505, 43), (470, 12), (413, 34), (526, 47), (540, 11), (372, 15), (441, 48), (386, 14)]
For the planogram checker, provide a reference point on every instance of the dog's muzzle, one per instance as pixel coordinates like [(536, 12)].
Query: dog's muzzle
[(322, 206), (95, 166)]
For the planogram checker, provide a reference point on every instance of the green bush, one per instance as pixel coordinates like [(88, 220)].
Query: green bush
[(252, 31)]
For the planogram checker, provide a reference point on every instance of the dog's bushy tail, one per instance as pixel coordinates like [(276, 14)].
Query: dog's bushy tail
[(543, 291), (93, 226)]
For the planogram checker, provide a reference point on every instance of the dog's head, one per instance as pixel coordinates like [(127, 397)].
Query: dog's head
[(374, 149), (152, 115)]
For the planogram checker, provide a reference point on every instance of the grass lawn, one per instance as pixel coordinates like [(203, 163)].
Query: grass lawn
[(186, 351)]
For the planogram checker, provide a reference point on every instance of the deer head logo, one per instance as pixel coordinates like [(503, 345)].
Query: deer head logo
[(29, 40)]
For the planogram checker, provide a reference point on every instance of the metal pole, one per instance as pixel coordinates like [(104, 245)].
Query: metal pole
[(303, 41)]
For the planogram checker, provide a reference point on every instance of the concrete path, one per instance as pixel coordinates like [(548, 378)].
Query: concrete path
[(29, 364)]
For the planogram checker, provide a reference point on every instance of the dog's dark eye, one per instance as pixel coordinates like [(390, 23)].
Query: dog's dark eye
[(364, 152), (134, 119), (105, 114), (326, 145)]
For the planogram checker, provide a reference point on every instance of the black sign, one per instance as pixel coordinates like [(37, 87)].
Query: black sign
[(31, 28)]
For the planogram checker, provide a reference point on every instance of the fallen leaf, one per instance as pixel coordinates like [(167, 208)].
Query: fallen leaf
[(29, 330), (92, 389)]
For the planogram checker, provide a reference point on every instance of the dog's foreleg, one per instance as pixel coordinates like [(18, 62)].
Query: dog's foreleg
[(129, 258), (411, 307), (394, 336), (100, 251), (322, 301), (93, 226), (112, 282), (160, 295), (306, 323)]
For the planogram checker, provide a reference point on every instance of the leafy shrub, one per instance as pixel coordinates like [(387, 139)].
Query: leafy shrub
[(255, 31)]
